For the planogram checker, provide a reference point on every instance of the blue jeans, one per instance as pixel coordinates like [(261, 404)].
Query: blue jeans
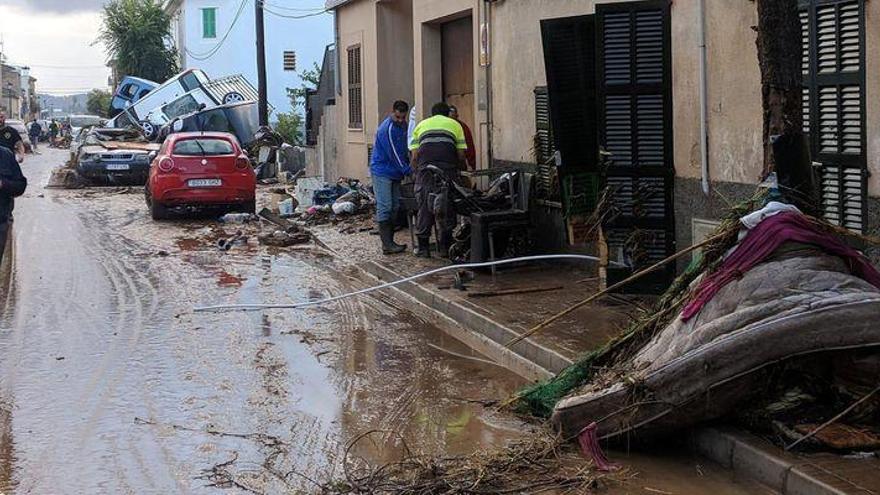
[(387, 193)]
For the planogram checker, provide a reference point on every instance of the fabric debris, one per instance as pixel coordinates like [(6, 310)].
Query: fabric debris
[(762, 241)]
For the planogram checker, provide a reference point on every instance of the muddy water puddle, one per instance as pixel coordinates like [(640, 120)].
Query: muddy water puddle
[(111, 384)]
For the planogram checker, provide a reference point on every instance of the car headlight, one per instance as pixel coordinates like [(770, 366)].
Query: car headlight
[(142, 158), (85, 157)]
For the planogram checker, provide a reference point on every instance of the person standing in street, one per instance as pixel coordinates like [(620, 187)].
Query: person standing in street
[(11, 139), (53, 132), (12, 185), (34, 131), (388, 166), (438, 141), (471, 153)]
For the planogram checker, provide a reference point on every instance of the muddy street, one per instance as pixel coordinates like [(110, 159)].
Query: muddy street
[(110, 383)]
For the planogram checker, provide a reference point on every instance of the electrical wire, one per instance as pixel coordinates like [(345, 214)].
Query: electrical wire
[(287, 16), (464, 266), (291, 9)]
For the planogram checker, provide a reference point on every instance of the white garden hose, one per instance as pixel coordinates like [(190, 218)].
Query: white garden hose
[(465, 266)]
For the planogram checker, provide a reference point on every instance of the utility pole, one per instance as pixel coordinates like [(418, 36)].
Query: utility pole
[(263, 104)]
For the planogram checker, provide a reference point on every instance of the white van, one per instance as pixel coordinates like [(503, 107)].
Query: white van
[(188, 92)]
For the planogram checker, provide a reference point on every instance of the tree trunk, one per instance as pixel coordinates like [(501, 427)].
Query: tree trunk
[(779, 55)]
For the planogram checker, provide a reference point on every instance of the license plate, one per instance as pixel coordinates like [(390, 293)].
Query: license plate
[(117, 166), (204, 182)]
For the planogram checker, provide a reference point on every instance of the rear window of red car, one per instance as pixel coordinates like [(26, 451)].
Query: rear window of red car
[(202, 147)]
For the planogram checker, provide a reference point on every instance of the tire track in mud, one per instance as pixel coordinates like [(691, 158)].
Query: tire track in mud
[(135, 303)]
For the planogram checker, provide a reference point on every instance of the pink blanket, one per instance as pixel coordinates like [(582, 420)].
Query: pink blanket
[(762, 241)]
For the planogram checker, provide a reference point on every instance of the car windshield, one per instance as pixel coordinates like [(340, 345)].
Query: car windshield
[(85, 120), (202, 147), (244, 121), (181, 106)]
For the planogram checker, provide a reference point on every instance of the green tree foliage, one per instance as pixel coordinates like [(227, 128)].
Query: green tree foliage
[(137, 35), (98, 102), (290, 125)]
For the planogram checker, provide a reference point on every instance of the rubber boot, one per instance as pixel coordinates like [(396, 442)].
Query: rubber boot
[(424, 250), (386, 233)]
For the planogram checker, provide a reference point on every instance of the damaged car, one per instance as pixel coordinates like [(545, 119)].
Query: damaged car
[(114, 156)]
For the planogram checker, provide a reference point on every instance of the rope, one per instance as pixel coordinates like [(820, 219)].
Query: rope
[(464, 266)]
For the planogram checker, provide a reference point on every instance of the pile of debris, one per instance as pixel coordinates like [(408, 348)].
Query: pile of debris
[(346, 201), (775, 294)]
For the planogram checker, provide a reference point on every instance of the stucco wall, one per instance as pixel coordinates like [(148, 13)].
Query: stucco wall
[(872, 95), (734, 93), (356, 25), (427, 17), (395, 54)]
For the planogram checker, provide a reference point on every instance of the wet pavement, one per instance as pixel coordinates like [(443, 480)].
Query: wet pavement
[(110, 384)]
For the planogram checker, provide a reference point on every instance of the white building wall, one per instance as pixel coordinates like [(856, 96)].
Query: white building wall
[(237, 54)]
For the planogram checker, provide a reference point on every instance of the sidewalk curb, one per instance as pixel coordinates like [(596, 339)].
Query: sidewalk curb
[(751, 457), (746, 455), (527, 359)]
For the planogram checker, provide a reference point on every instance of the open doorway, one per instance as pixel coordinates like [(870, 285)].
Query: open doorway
[(457, 62)]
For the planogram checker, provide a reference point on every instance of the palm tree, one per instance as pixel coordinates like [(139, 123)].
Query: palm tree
[(137, 35)]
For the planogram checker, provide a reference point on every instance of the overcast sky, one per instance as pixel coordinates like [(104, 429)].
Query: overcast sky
[(55, 38)]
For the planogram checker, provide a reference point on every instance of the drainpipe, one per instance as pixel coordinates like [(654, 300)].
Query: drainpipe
[(704, 104), (487, 13)]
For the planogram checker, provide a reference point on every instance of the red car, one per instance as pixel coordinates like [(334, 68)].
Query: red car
[(201, 169)]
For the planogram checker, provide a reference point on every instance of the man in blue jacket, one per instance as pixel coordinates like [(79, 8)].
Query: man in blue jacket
[(388, 166), (12, 184)]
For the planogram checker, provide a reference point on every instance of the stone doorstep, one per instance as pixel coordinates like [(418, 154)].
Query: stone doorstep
[(745, 454)]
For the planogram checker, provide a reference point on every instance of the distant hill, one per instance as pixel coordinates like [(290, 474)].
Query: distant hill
[(62, 104)]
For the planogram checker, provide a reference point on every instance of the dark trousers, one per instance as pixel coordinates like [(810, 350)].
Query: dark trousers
[(434, 203), (4, 235)]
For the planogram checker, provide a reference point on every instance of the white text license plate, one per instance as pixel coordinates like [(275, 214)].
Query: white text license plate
[(117, 166), (204, 182)]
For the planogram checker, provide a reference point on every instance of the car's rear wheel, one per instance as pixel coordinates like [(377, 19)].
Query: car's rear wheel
[(249, 207), (158, 211)]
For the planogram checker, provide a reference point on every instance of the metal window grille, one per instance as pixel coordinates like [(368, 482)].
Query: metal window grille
[(355, 88), (834, 105)]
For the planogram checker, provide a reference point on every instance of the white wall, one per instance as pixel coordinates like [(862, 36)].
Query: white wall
[(237, 55)]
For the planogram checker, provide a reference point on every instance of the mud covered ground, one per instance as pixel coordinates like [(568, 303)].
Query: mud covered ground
[(109, 383)]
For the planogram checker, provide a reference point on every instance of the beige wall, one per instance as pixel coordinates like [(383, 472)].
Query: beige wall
[(734, 94), (356, 25), (395, 48), (383, 28), (427, 17), (872, 93)]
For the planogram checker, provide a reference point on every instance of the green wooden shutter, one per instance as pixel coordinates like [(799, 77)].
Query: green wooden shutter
[(209, 23), (635, 126), (834, 105)]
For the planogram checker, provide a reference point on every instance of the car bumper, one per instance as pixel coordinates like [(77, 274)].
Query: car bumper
[(136, 172), (176, 192)]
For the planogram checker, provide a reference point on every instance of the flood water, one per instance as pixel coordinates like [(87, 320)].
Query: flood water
[(111, 384)]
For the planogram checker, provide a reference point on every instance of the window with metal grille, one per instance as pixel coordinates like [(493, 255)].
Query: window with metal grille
[(355, 88), (833, 33)]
